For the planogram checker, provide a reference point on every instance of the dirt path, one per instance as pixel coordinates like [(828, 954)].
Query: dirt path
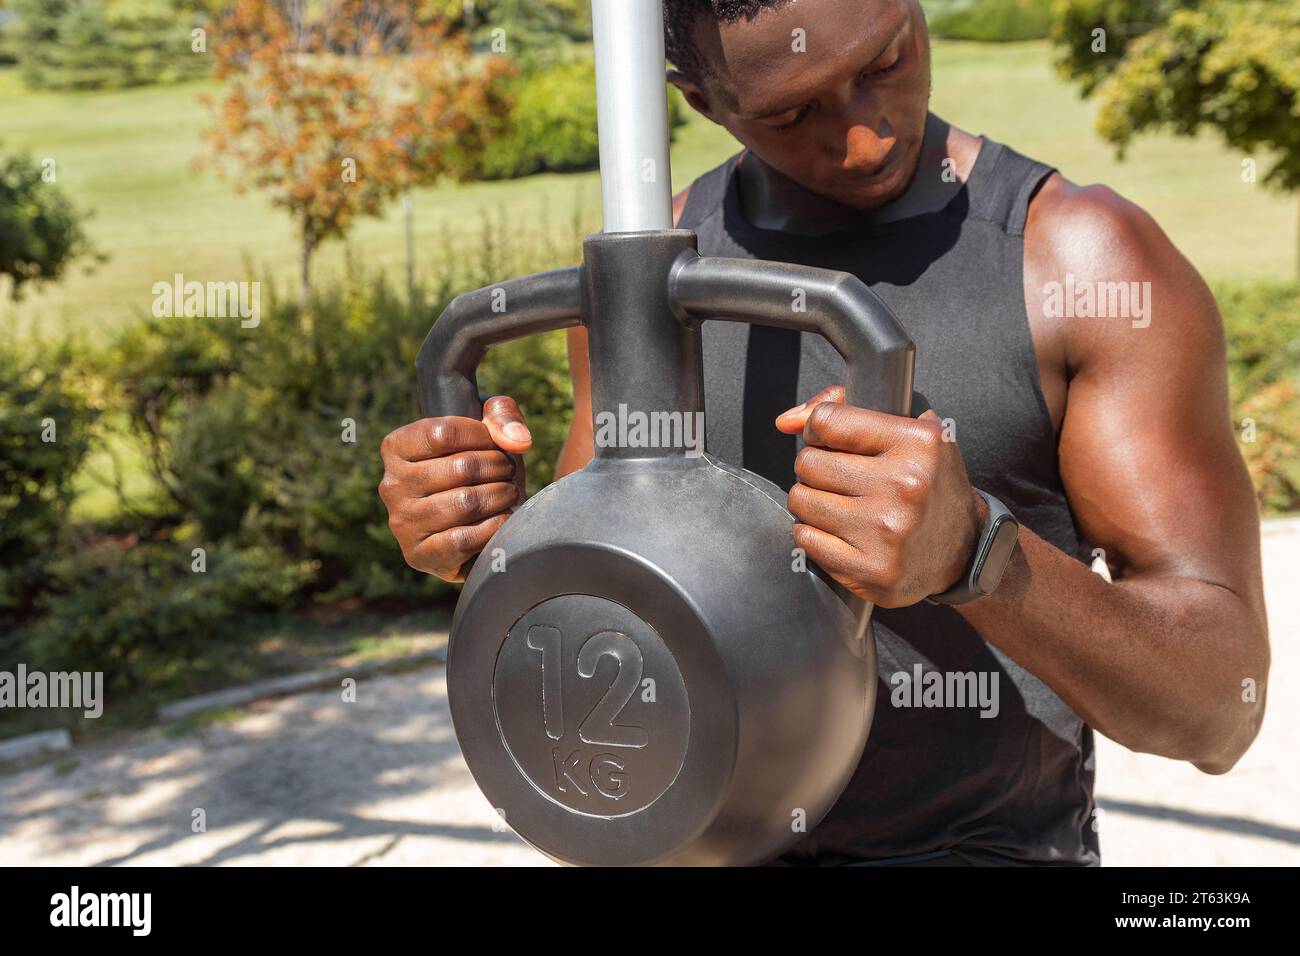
[(312, 780)]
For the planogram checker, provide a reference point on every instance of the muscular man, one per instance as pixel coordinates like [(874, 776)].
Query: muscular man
[(1103, 433)]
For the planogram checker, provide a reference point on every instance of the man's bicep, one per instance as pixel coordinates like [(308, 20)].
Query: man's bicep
[(1147, 449)]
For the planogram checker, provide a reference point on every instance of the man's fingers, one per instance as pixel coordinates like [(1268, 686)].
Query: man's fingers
[(424, 478), (435, 437), (836, 557), (791, 422), (862, 431), (506, 424), (838, 472), (445, 552), (461, 506)]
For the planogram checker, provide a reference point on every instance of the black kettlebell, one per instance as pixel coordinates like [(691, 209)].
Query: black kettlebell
[(641, 668)]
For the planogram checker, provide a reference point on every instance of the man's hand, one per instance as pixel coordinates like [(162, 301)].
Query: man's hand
[(449, 483), (883, 503)]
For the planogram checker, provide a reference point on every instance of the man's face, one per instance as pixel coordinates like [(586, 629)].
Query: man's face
[(832, 93)]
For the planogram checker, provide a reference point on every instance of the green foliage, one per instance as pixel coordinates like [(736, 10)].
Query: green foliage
[(1180, 65), (107, 44), (40, 230), (248, 431), (1262, 322), (552, 124), (145, 610), (45, 420), (990, 20), (528, 31)]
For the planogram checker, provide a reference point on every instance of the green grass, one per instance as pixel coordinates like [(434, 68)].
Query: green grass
[(126, 155)]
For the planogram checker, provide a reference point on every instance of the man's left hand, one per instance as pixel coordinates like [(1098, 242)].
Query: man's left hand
[(882, 503)]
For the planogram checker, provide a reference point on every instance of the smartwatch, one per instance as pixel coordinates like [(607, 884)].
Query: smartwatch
[(991, 557)]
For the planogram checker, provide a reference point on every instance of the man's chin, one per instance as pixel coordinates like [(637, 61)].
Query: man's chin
[(871, 197)]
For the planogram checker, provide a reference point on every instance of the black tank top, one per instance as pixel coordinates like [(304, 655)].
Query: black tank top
[(1010, 788)]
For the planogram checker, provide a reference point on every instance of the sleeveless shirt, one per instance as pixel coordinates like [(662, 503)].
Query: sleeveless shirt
[(943, 770)]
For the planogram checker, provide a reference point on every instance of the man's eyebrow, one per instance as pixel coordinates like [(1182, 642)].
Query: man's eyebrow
[(764, 112)]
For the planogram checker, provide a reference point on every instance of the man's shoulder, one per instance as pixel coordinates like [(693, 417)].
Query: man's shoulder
[(1091, 222)]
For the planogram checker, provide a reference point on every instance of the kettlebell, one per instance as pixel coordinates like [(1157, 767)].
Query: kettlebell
[(642, 668)]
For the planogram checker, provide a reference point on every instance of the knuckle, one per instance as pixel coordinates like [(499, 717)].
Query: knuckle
[(442, 432), (462, 539), (466, 501), (823, 416), (929, 433), (466, 469), (911, 484), (806, 459)]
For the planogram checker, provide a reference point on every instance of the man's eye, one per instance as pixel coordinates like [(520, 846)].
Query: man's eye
[(795, 121), (883, 70)]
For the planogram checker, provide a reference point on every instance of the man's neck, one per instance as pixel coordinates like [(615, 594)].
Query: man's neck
[(771, 200)]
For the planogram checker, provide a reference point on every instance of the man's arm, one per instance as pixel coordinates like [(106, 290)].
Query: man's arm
[(1157, 660), (1149, 460)]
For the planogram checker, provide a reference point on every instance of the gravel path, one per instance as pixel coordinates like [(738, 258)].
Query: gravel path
[(312, 780)]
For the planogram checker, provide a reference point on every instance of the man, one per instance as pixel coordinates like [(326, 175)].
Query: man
[(1099, 419)]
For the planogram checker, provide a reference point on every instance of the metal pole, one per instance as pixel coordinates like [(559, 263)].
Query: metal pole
[(632, 112)]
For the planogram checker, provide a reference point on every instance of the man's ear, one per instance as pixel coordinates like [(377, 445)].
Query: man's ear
[(695, 94)]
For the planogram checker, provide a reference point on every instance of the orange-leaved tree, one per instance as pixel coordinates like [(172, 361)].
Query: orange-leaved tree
[(336, 106)]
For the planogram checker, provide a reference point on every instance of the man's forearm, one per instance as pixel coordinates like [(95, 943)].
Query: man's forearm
[(1158, 664)]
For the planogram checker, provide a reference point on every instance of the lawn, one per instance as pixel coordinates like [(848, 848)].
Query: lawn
[(127, 156)]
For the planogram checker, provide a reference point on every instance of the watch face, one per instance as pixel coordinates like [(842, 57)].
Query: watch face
[(998, 556)]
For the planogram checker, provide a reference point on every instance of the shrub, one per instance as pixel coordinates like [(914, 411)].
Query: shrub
[(139, 613), (40, 230), (269, 437), (45, 419), (990, 20), (106, 44), (552, 124)]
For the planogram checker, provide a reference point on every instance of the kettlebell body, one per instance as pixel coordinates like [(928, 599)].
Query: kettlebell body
[(643, 671)]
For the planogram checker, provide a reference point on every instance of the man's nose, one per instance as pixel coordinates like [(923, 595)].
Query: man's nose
[(867, 141)]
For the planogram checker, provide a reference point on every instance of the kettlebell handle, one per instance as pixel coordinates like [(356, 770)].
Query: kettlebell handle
[(473, 321), (878, 353)]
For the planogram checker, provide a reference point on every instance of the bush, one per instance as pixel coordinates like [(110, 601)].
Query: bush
[(1262, 322), (552, 124), (268, 437), (40, 230), (45, 420), (106, 44), (990, 20), (138, 614)]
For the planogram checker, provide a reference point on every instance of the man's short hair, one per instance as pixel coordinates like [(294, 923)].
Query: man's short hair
[(681, 17)]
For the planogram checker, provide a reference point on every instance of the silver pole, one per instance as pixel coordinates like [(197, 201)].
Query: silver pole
[(632, 111)]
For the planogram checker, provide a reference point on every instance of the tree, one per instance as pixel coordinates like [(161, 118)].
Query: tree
[(1181, 65), (105, 44), (336, 107), (530, 30), (40, 230)]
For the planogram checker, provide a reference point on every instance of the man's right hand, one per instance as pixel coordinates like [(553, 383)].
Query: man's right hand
[(449, 483)]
